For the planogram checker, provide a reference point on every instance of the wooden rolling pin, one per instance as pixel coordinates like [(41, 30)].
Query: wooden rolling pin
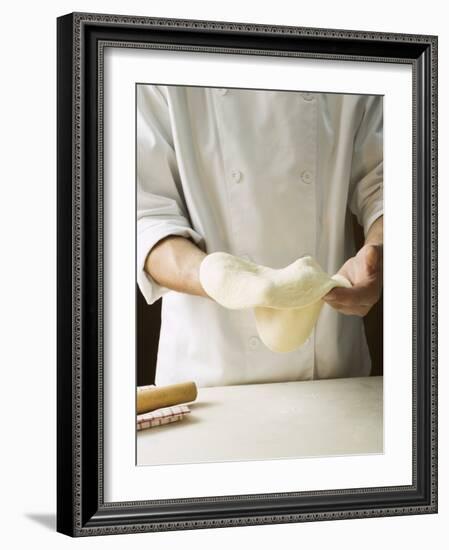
[(155, 397)]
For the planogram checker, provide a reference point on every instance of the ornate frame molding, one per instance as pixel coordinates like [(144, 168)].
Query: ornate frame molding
[(81, 41)]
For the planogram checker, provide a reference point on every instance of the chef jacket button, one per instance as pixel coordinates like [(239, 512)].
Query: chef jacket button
[(236, 175), (254, 342), (306, 176), (307, 97)]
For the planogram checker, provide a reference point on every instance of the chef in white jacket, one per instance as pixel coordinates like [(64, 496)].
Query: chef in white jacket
[(269, 176)]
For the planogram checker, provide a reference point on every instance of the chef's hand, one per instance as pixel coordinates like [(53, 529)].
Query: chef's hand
[(365, 273)]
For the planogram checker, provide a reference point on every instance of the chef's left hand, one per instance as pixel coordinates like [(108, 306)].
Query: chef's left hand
[(364, 271)]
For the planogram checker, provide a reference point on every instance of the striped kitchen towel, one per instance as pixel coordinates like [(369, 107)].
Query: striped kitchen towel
[(167, 415)]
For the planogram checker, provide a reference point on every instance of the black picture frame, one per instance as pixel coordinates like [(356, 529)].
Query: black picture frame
[(81, 510)]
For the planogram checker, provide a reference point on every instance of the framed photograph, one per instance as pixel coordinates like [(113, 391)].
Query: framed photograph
[(247, 274)]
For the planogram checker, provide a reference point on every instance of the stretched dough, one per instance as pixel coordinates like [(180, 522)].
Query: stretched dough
[(286, 302)]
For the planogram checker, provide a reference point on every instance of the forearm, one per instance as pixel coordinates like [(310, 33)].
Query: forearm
[(376, 232), (174, 263)]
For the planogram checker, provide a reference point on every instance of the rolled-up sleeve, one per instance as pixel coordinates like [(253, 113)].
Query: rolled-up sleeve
[(366, 186), (161, 210)]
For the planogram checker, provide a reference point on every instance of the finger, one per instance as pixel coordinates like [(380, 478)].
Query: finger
[(358, 310), (331, 295), (356, 295)]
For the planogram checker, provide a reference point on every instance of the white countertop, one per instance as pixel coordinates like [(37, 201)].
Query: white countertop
[(268, 421)]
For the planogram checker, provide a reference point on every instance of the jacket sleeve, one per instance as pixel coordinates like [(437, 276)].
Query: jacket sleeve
[(161, 210), (366, 185)]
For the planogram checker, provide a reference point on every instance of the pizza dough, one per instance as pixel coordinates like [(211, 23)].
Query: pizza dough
[(286, 302)]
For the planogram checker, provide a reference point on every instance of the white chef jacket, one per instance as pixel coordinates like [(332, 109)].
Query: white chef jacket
[(264, 175)]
